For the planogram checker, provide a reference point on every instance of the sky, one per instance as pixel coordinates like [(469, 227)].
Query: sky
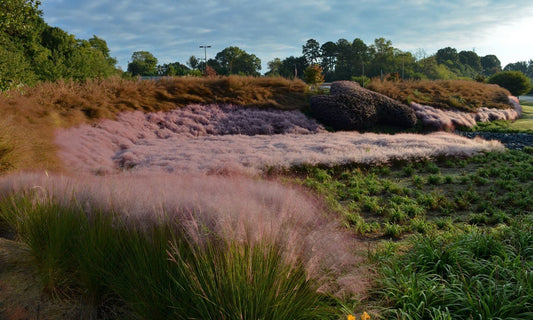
[(174, 30)]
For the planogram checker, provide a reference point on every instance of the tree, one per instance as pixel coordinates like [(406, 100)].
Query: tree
[(15, 68), (382, 55), (360, 57), (472, 61), (490, 64), (31, 50), (313, 75), (233, 60), (343, 66), (293, 67), (328, 53), (515, 81), (448, 56), (517, 66), (173, 69), (142, 63), (311, 51), (193, 62), (273, 67), (18, 18), (101, 45)]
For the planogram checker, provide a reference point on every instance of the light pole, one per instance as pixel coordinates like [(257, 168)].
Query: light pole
[(205, 57)]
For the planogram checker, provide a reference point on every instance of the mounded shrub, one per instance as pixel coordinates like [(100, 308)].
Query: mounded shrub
[(344, 87), (343, 112), (351, 107), (514, 81), (392, 112)]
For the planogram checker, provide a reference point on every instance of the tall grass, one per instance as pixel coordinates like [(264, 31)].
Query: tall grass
[(233, 208), (463, 95), (163, 142), (169, 267), (450, 119), (36, 112)]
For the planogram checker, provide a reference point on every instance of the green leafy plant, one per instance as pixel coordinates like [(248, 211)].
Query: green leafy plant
[(514, 81)]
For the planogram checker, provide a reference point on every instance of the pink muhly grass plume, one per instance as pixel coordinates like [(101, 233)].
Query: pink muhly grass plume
[(198, 139), (113, 146), (233, 208), (449, 119)]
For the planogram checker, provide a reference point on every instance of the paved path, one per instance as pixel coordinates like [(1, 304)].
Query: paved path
[(526, 98)]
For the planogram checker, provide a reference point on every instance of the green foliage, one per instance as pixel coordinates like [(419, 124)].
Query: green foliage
[(514, 81), (15, 69), (30, 50), (233, 60), (490, 64), (311, 51), (313, 75), (143, 63), (154, 270), (471, 275), (418, 197), (362, 80), (18, 17)]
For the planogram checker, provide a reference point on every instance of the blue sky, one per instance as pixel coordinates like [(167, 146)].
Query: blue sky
[(173, 30)]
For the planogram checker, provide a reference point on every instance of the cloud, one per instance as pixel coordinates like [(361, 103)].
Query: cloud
[(173, 30)]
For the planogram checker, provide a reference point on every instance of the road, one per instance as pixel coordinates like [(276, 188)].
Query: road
[(526, 98)]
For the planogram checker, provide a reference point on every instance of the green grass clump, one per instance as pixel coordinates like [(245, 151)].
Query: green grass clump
[(155, 270), (470, 275)]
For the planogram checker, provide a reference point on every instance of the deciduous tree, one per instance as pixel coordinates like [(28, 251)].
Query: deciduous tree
[(233, 60), (142, 63)]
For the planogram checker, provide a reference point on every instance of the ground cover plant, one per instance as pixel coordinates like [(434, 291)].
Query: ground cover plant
[(458, 233), (462, 275), (421, 197)]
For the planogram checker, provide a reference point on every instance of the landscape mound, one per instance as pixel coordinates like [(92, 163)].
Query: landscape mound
[(343, 112), (352, 107)]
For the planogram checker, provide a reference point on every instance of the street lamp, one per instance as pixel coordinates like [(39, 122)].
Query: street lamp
[(205, 57)]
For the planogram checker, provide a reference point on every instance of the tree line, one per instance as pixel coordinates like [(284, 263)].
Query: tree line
[(32, 51), (231, 60), (344, 60)]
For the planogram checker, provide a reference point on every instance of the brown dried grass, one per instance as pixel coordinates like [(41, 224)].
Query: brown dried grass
[(463, 95)]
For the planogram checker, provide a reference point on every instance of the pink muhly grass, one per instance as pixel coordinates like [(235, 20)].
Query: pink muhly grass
[(232, 208), (114, 145), (449, 119)]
